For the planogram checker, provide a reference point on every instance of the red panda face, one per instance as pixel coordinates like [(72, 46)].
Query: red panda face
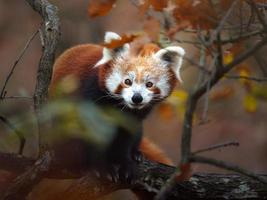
[(139, 81), (143, 80)]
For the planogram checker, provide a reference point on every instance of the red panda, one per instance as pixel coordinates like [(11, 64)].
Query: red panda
[(130, 83)]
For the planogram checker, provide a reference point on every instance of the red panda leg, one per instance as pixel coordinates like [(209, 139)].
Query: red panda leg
[(152, 152)]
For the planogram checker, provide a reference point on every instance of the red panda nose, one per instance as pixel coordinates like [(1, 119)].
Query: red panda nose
[(137, 98)]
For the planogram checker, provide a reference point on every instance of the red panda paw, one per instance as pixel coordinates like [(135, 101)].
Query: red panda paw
[(128, 172), (137, 156)]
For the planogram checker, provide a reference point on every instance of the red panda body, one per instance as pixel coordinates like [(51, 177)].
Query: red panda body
[(130, 84)]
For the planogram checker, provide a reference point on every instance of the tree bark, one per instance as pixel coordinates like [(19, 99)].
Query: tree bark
[(151, 176)]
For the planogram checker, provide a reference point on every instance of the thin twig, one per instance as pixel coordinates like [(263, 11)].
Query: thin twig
[(222, 22), (241, 37), (19, 97), (228, 166), (260, 17), (3, 91), (217, 146), (247, 78)]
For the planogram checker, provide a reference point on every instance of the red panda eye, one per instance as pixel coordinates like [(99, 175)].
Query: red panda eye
[(128, 82), (149, 84)]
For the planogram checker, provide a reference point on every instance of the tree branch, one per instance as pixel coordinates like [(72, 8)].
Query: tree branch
[(151, 176), (20, 135), (24, 183), (50, 32)]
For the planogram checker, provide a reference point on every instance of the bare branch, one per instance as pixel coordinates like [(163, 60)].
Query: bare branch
[(24, 183), (19, 97), (217, 146), (151, 176), (20, 135), (246, 78), (3, 91), (259, 15), (224, 165)]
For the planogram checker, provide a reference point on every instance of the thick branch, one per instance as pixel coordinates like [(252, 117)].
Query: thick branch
[(151, 176), (50, 32), (24, 183)]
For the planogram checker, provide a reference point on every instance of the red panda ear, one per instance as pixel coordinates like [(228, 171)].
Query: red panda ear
[(110, 54), (172, 56)]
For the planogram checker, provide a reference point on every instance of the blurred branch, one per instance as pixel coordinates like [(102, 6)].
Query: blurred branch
[(17, 132), (241, 37), (259, 15), (19, 97), (24, 183), (3, 91), (246, 78), (151, 176)]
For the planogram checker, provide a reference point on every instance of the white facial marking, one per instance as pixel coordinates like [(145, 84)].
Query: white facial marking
[(164, 85), (128, 93), (114, 80)]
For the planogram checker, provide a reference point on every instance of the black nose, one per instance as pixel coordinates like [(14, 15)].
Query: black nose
[(137, 98)]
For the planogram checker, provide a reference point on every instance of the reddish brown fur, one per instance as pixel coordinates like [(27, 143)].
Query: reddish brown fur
[(80, 60)]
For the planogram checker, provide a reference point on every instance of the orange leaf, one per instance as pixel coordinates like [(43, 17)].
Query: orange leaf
[(244, 71), (119, 43), (204, 14), (250, 103), (144, 7), (158, 5), (100, 7), (222, 93), (166, 111)]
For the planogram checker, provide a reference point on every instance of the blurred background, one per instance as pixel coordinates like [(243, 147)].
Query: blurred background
[(229, 116)]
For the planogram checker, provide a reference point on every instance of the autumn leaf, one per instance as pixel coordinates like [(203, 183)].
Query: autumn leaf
[(200, 13), (244, 71), (228, 58), (250, 103), (98, 8), (236, 48), (158, 5), (223, 93), (120, 42), (260, 91), (166, 111)]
